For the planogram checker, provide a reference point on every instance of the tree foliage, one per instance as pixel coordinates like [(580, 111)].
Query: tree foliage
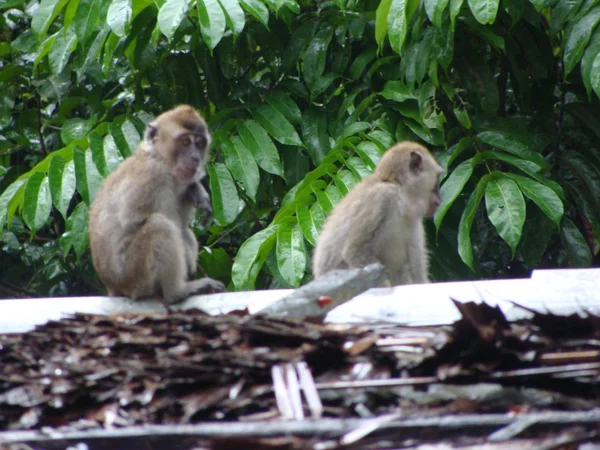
[(303, 98)]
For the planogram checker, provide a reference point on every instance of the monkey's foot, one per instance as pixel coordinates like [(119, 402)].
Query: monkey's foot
[(204, 286)]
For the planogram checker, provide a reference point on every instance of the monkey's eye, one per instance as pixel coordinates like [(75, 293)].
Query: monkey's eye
[(186, 140), (200, 141)]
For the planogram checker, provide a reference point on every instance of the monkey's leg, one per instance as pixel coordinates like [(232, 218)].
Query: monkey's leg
[(191, 252), (165, 268)]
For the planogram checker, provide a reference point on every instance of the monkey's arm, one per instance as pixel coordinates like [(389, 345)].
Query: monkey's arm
[(199, 198), (365, 239), (418, 257)]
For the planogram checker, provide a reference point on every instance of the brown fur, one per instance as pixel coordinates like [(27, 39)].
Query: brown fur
[(140, 238), (380, 220)]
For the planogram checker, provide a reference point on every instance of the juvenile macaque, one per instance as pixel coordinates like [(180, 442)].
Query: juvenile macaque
[(141, 242), (381, 218)]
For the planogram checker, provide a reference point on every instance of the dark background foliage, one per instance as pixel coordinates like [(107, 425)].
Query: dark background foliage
[(303, 98)]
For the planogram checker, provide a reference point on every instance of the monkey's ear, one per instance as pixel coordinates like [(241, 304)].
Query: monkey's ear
[(150, 136), (416, 162)]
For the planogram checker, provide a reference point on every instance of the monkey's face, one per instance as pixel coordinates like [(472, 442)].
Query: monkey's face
[(181, 139), (190, 152), (413, 167), (435, 198), (429, 183)]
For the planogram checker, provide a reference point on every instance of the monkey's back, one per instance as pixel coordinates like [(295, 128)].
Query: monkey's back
[(136, 189), (359, 217)]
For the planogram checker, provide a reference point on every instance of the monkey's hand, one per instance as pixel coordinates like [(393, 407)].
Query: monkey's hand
[(206, 211), (199, 198)]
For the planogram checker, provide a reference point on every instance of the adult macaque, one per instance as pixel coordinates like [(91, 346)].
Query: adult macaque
[(140, 238), (381, 218)]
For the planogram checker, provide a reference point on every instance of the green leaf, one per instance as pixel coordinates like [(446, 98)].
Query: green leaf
[(310, 219), (314, 133), (586, 211), (216, 263), (37, 202), (358, 167), (587, 61), (525, 165), (455, 6), (224, 194), (261, 146), (61, 177), (506, 209), (212, 21), (432, 116), (563, 11), (484, 10), (586, 173), (285, 105), (298, 43), (170, 16), (87, 17), (353, 129), (595, 75), (69, 15), (345, 180), (370, 153), (105, 155), (291, 255), (257, 10), (118, 17), (451, 189), (537, 233), (316, 55), (465, 248), (251, 256), (541, 195), (44, 48), (361, 62), (397, 91), (512, 144), (577, 37), (108, 52), (77, 229), (76, 129), (92, 52), (126, 136), (45, 15), (88, 177), (381, 22), (325, 202), (397, 24), (61, 50), (383, 139), (539, 4), (6, 198), (240, 162), (578, 250), (435, 9), (234, 16), (277, 125)]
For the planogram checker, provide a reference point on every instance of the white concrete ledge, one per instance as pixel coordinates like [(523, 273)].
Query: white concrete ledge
[(557, 291)]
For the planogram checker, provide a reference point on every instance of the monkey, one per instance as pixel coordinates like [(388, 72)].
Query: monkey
[(140, 239), (381, 218)]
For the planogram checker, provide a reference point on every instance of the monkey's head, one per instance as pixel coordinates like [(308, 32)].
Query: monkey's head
[(412, 166), (181, 139)]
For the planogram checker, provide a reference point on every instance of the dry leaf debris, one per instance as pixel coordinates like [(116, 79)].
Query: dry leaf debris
[(89, 372)]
